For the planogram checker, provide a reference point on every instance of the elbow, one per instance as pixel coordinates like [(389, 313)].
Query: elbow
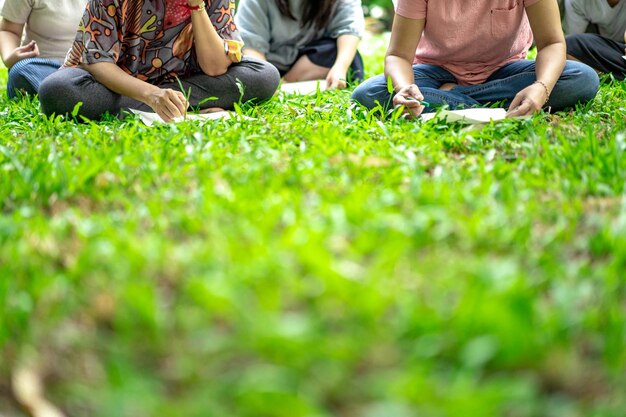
[(214, 69)]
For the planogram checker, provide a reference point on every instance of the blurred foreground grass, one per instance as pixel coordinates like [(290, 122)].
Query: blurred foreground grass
[(316, 261)]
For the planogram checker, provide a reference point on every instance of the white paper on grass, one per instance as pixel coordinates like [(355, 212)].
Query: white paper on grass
[(624, 56), (303, 87), (150, 119), (467, 116)]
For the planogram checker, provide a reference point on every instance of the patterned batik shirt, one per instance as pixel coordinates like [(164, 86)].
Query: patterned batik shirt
[(151, 40)]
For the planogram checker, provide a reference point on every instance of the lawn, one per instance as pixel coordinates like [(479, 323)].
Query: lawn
[(317, 260)]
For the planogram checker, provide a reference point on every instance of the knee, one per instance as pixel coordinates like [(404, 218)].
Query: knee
[(57, 93), (18, 79), (370, 94), (262, 82), (361, 96), (18, 70), (583, 79)]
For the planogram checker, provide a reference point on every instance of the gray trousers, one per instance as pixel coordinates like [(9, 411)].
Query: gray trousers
[(63, 90)]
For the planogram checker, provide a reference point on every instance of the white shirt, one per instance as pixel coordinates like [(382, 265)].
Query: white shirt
[(611, 21), (50, 23)]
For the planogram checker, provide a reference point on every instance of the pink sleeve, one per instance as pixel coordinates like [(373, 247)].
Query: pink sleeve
[(412, 9)]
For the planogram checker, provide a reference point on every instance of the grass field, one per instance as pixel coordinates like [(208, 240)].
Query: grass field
[(315, 261)]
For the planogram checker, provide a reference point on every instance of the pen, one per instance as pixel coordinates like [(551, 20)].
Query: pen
[(422, 102)]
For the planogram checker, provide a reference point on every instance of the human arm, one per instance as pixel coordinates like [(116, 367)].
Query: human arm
[(405, 36), (347, 26), (544, 21), (346, 51), (208, 43), (575, 20), (253, 21), (10, 38), (254, 53), (167, 103)]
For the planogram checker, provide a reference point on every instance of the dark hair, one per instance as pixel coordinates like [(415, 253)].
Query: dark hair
[(315, 13)]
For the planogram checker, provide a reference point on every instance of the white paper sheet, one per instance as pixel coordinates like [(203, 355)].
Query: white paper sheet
[(150, 119), (303, 87), (467, 116)]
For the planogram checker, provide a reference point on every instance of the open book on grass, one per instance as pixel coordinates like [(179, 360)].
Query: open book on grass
[(150, 119), (467, 116)]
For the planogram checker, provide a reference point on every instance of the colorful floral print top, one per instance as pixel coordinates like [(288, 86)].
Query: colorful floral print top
[(151, 40)]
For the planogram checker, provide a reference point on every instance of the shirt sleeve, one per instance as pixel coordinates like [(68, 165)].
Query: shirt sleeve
[(222, 15), (17, 11), (575, 19), (99, 34), (347, 19), (412, 9), (253, 21)]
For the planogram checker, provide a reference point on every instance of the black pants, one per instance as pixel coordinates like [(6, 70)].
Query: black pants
[(600, 53), (61, 91), (323, 52)]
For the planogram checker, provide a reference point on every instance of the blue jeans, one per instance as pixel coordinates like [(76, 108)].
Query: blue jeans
[(26, 75), (578, 84)]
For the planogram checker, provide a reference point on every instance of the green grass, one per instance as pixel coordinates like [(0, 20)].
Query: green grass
[(316, 261)]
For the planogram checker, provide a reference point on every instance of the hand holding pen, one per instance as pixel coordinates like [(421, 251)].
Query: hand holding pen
[(412, 99)]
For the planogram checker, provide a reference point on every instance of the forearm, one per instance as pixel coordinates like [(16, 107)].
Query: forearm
[(254, 53), (8, 43), (212, 58), (118, 81), (550, 63), (346, 51), (400, 70), (405, 37)]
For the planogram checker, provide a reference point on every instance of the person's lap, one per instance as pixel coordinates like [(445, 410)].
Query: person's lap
[(315, 60), (250, 79), (500, 87), (600, 53), (26, 75)]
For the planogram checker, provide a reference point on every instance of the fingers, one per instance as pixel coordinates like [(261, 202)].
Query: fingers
[(173, 104), (30, 54), (411, 106), (30, 50), (335, 82), (410, 97), (30, 46), (171, 109), (180, 101), (525, 108)]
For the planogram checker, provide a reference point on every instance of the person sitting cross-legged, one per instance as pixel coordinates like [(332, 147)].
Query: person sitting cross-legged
[(49, 27), (472, 54), (159, 55), (305, 39), (603, 51)]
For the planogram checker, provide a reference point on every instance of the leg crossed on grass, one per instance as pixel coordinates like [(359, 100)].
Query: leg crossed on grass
[(578, 84), (600, 53), (63, 90), (26, 75)]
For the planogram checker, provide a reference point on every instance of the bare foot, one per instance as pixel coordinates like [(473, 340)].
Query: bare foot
[(447, 86), (211, 110)]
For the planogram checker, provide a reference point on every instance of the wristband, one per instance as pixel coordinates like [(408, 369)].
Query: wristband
[(199, 8), (232, 49), (545, 88)]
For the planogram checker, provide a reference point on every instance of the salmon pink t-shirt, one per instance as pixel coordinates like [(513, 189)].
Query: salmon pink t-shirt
[(471, 39)]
